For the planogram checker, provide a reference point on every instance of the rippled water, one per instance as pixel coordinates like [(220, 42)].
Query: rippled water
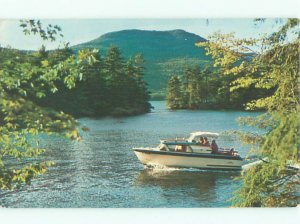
[(102, 170)]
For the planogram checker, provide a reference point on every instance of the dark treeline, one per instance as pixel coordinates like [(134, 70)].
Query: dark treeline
[(107, 86), (206, 88), (112, 87)]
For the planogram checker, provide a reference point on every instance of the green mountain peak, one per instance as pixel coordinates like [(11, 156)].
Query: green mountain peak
[(165, 52)]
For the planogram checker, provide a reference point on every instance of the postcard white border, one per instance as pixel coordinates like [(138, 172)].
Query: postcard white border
[(149, 9)]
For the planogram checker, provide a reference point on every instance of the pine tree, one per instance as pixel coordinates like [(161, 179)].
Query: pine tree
[(186, 79), (143, 93), (116, 77), (92, 91), (174, 93)]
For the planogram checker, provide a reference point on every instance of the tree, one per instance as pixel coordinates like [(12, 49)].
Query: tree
[(142, 91), (185, 84), (115, 74), (25, 79), (128, 92), (199, 89), (194, 88), (88, 97), (108, 86), (93, 90), (275, 182), (174, 93)]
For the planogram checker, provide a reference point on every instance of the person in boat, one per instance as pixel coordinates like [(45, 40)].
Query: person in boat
[(214, 147), (205, 142), (201, 141)]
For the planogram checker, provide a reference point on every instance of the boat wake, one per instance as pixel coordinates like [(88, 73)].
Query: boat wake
[(159, 167)]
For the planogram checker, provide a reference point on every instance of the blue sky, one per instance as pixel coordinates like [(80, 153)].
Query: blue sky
[(77, 31)]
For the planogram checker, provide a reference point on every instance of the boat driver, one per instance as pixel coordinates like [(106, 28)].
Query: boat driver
[(206, 142)]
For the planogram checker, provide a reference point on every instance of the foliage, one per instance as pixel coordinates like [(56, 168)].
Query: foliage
[(35, 27), (174, 94), (25, 80), (275, 182), (35, 87), (109, 87), (207, 88)]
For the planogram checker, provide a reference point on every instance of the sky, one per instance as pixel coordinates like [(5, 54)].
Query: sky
[(82, 30)]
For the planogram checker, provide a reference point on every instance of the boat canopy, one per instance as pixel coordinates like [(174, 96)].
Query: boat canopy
[(202, 134)]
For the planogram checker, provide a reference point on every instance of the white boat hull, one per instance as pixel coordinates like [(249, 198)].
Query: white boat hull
[(188, 160)]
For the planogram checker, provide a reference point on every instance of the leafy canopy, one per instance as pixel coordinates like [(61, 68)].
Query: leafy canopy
[(24, 79), (273, 183)]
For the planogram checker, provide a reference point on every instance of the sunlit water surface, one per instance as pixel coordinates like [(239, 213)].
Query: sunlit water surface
[(102, 170)]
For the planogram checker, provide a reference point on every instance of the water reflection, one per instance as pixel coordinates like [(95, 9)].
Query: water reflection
[(199, 185)]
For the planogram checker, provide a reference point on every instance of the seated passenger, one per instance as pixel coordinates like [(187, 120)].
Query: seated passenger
[(214, 147), (201, 140), (206, 142)]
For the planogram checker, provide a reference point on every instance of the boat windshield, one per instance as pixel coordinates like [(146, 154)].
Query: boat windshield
[(195, 136)]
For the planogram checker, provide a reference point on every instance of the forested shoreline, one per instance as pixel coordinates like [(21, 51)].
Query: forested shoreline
[(107, 85), (207, 88)]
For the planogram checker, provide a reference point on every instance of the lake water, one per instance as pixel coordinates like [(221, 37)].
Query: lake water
[(102, 170)]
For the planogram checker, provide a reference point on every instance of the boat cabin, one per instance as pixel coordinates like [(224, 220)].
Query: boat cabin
[(192, 144)]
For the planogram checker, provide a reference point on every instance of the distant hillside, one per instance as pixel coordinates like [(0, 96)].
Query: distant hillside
[(165, 52)]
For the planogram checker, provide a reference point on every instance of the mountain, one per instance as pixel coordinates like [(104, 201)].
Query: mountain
[(165, 52)]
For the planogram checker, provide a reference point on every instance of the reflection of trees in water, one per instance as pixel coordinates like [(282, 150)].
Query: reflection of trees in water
[(197, 184)]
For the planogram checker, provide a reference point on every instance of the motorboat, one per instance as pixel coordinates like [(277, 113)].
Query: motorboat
[(190, 153)]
